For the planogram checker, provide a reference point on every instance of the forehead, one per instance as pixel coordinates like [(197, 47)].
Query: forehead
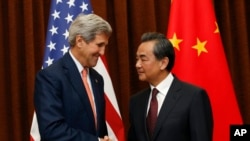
[(101, 38), (145, 48)]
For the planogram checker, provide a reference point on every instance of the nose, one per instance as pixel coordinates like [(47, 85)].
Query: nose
[(102, 50), (138, 64)]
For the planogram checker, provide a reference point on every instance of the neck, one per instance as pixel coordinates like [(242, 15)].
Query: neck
[(160, 78)]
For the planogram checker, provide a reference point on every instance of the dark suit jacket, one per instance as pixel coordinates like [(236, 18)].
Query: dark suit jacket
[(62, 105), (185, 115)]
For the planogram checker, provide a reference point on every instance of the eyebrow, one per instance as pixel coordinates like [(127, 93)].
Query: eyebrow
[(101, 44), (141, 56)]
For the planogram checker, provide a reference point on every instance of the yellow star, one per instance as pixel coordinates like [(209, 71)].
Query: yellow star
[(200, 46), (175, 41), (217, 28)]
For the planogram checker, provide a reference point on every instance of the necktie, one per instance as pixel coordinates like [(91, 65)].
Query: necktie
[(90, 95), (152, 113)]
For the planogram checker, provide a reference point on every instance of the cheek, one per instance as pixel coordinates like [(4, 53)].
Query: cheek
[(148, 65), (93, 48), (147, 69), (151, 69)]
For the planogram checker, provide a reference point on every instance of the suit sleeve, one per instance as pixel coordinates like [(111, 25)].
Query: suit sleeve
[(49, 110), (131, 131), (201, 119)]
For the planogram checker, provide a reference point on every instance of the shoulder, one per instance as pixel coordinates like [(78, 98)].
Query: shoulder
[(190, 92), (139, 100), (187, 90), (65, 62), (187, 86), (53, 69), (58, 69), (142, 94)]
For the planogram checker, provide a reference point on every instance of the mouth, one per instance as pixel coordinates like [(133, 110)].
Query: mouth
[(96, 56), (140, 72)]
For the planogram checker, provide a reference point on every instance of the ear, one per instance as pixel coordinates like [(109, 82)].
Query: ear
[(164, 63), (79, 41)]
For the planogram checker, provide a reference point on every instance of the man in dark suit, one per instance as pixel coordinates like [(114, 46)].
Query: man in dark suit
[(177, 111), (62, 104)]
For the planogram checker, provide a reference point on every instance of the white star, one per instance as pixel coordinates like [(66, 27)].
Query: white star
[(49, 61), (65, 49), (71, 3), (56, 14), (66, 34), (69, 18), (51, 46), (57, 1), (84, 6), (53, 30)]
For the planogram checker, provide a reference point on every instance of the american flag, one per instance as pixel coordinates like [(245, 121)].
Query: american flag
[(62, 13)]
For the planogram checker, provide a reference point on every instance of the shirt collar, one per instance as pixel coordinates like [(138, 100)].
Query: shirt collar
[(164, 85), (78, 64)]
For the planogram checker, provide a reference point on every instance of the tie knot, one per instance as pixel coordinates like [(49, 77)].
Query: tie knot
[(84, 72), (154, 92)]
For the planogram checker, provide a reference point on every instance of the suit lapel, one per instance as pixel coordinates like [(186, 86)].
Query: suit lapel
[(144, 113), (95, 87), (168, 104), (76, 81)]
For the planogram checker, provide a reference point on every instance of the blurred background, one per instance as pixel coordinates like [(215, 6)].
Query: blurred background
[(23, 28)]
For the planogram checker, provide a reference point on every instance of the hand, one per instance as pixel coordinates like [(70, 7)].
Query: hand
[(106, 138)]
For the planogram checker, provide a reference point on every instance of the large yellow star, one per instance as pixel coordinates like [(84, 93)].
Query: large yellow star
[(200, 46), (217, 28), (175, 41)]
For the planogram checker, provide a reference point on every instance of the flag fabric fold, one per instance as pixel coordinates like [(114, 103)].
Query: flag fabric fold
[(62, 14), (200, 59)]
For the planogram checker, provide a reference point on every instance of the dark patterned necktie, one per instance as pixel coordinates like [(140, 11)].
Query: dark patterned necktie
[(152, 113)]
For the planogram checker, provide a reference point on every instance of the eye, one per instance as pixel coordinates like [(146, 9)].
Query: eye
[(101, 45), (144, 58), (141, 58)]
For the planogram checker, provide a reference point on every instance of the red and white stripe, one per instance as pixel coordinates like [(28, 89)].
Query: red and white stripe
[(34, 131), (113, 117)]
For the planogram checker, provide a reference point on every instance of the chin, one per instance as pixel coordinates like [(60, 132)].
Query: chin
[(93, 64), (142, 78)]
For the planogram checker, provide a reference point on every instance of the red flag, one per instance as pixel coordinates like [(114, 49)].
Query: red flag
[(61, 15), (200, 59)]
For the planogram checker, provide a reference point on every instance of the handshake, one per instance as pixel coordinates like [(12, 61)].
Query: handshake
[(106, 138)]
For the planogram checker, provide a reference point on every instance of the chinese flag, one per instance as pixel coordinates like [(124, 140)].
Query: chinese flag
[(200, 59)]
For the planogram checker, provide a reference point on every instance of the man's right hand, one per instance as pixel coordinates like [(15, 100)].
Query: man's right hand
[(106, 138)]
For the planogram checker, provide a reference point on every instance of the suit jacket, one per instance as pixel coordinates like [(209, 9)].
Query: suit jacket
[(185, 115), (62, 105)]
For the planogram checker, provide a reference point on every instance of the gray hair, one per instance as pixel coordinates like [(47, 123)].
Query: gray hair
[(162, 48), (88, 26)]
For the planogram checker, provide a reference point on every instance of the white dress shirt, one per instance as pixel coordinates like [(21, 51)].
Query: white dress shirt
[(163, 88)]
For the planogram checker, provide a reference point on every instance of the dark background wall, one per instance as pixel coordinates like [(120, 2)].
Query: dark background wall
[(22, 41)]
